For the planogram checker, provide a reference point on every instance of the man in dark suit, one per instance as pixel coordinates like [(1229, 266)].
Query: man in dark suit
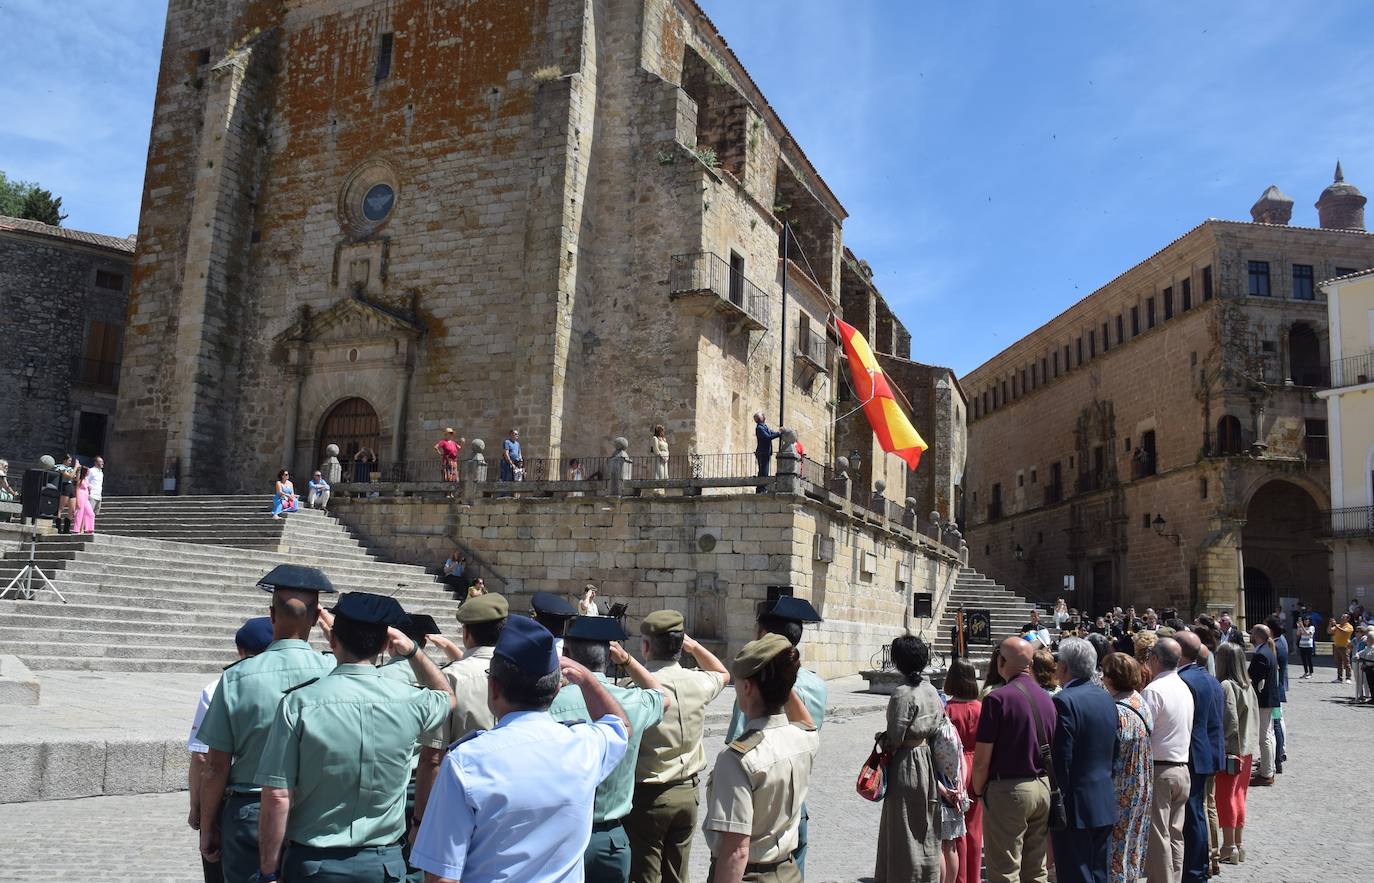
[(763, 444), (1206, 754), (1085, 747)]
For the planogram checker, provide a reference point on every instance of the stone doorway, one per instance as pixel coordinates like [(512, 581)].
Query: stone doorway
[(1101, 595), (1283, 557), (1260, 597), (352, 424)]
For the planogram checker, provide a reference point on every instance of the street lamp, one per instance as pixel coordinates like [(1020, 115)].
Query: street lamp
[(855, 459), (1158, 524), (1019, 552), (29, 371)]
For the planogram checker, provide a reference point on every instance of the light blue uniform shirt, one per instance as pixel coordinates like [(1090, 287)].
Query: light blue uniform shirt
[(398, 668), (812, 690), (644, 708), (515, 802)]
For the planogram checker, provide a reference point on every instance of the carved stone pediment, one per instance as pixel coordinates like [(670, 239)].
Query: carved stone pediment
[(351, 320)]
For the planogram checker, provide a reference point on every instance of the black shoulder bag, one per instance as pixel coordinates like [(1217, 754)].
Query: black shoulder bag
[(1059, 818)]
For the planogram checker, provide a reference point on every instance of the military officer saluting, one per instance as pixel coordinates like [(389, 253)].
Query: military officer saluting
[(589, 640), (786, 616), (759, 783), (552, 612), (515, 802), (337, 760), (671, 756), (241, 713), (482, 618)]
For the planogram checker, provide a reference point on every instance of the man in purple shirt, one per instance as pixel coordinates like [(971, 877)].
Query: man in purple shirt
[(1009, 775)]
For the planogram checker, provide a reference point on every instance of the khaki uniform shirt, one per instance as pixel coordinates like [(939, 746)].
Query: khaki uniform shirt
[(758, 787), (241, 712), (468, 678), (671, 750), (343, 746)]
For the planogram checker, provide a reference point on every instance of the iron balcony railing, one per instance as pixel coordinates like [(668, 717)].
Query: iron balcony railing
[(705, 271), (815, 348), (1352, 370), (1353, 522)]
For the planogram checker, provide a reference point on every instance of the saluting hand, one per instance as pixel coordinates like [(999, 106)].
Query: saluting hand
[(397, 644), (618, 653), (575, 672)]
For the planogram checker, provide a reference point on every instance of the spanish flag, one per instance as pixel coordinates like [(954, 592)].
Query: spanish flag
[(890, 424)]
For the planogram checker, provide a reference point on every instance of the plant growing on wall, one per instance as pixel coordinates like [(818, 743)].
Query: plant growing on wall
[(708, 156)]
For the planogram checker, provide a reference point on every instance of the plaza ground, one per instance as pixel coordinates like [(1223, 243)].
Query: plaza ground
[(1311, 826)]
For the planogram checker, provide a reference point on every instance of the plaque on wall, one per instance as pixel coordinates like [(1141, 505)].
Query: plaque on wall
[(979, 627)]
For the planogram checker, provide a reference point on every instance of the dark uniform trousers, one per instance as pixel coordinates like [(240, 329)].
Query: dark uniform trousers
[(413, 874), (660, 828), (1081, 855), (343, 864), (778, 872), (607, 857), (238, 836)]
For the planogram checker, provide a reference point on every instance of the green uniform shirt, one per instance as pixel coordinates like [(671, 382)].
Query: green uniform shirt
[(343, 746), (399, 668), (644, 708), (812, 690), (241, 712)]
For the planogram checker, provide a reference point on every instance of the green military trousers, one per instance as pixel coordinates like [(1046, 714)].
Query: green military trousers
[(660, 828), (785, 871), (344, 864), (238, 837)]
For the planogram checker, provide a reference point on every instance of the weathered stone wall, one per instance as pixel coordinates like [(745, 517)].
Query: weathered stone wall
[(1229, 355), (710, 557), (50, 296)]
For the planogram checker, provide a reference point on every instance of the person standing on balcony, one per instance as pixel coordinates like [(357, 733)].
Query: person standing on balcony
[(95, 481), (660, 451), (448, 450), (763, 448), (511, 461)]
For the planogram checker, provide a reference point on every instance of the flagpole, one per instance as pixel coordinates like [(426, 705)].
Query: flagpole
[(782, 370)]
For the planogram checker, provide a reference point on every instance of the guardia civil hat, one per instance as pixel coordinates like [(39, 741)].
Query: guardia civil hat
[(298, 577), (255, 634), (661, 622), (550, 604), (756, 654), (789, 608), (419, 625), (595, 628), (370, 609), (490, 607), (528, 646)]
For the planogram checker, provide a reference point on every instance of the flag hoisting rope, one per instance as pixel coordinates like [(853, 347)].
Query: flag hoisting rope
[(890, 423)]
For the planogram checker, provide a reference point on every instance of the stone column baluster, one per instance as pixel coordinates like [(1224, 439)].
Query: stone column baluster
[(331, 469), (840, 483), (788, 480), (474, 469), (620, 467), (879, 501), (937, 524)]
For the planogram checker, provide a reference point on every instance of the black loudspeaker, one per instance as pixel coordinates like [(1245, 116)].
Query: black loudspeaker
[(40, 494), (923, 604)]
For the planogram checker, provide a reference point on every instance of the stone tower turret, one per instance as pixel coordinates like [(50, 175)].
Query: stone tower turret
[(1273, 207), (1341, 205)]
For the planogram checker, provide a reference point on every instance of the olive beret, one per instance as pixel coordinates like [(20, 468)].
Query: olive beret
[(490, 607), (756, 654), (661, 622)]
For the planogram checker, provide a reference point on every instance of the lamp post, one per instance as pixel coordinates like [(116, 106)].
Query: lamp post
[(1019, 552), (1159, 524)]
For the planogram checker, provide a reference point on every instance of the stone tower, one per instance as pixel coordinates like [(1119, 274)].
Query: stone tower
[(1341, 205), (1273, 207)]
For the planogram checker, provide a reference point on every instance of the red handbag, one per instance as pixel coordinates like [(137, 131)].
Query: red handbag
[(872, 783)]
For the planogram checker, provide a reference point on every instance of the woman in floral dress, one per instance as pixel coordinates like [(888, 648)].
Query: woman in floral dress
[(1133, 772)]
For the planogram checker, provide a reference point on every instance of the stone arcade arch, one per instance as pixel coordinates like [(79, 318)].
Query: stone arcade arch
[(352, 424), (1283, 557)]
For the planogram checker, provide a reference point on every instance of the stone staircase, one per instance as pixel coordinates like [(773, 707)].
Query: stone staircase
[(166, 581), (973, 591)]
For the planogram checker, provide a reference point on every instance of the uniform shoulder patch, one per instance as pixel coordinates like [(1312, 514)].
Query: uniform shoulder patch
[(235, 662), (298, 686), (747, 741), (473, 735), (573, 723)]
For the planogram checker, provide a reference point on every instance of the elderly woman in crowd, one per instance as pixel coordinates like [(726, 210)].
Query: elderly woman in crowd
[(909, 832), (1133, 772), (1240, 721)]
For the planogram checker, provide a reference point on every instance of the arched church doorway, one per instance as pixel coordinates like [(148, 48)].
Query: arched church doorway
[(1305, 356), (352, 424), (1282, 554)]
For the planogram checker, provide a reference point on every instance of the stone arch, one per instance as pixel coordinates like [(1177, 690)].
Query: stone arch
[(350, 423), (1230, 436), (322, 393), (1280, 544)]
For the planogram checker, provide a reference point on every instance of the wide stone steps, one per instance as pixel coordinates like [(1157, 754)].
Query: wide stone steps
[(141, 601), (973, 591)]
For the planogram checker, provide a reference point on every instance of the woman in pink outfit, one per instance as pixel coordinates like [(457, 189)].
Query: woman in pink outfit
[(964, 709), (85, 512)]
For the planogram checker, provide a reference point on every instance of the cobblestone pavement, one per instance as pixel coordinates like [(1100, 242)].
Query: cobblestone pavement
[(1305, 829)]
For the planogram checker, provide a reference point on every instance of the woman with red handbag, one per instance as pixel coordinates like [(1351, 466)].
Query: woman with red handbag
[(909, 832)]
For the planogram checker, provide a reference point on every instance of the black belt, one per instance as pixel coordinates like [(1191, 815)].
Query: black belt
[(608, 825), (1030, 778), (765, 867), (694, 780), (1171, 763), (234, 792), (345, 851)]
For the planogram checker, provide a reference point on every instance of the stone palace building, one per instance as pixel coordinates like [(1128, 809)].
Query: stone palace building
[(1160, 442), (366, 221)]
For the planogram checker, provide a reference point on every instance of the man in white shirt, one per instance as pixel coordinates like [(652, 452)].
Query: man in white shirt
[(1171, 703), (95, 483)]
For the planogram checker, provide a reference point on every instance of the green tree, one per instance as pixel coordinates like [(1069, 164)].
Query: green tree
[(41, 205), (12, 195)]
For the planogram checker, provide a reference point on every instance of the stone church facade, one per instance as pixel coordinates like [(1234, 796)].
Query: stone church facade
[(1160, 441), (364, 221)]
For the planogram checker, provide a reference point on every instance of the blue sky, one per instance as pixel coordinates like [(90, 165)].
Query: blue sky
[(999, 160)]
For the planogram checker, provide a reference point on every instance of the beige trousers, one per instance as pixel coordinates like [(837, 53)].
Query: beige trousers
[(1016, 816), (1164, 856)]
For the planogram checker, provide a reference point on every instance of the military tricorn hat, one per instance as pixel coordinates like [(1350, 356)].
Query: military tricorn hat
[(789, 608), (371, 609), (595, 628), (490, 607), (661, 622), (419, 625), (550, 604), (297, 577), (756, 654)]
